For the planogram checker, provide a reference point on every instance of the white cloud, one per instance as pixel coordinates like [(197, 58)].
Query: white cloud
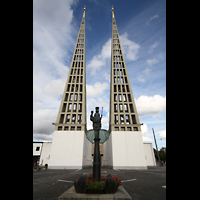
[(141, 78), (130, 48), (144, 129), (42, 121), (95, 65), (97, 89), (52, 36), (146, 71), (151, 18), (162, 134), (55, 87), (107, 77), (152, 61), (98, 61), (145, 133), (130, 51), (37, 106), (147, 105), (42, 137), (152, 47), (157, 58)]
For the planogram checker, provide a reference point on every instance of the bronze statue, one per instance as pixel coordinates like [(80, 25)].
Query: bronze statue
[(96, 119)]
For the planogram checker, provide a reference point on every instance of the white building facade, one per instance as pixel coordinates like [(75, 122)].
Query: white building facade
[(41, 153)]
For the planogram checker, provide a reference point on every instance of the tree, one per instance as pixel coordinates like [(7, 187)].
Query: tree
[(162, 154)]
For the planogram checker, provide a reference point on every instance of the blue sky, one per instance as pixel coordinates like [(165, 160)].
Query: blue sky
[(142, 28)]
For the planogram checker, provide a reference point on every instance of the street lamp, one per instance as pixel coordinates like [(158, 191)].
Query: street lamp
[(156, 147)]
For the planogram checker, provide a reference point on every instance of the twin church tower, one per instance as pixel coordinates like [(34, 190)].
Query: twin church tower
[(124, 149)]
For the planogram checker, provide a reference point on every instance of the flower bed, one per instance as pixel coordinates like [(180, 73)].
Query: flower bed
[(95, 187)]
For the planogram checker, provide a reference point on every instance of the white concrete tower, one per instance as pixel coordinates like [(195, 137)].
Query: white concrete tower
[(124, 148), (70, 147)]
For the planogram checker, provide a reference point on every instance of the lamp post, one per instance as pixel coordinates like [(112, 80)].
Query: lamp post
[(97, 158), (156, 148), (96, 119)]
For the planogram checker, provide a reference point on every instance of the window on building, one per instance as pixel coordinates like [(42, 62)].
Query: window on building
[(126, 107), (66, 97), (127, 119), (120, 108), (76, 89), (116, 119), (123, 88), (119, 88), (80, 107), (71, 97), (61, 118), (75, 97), (124, 96), (80, 97), (66, 128), (70, 79), (68, 119), (116, 128), (72, 88), (73, 118), (115, 88), (69, 107), (131, 108), (122, 119), (81, 88), (64, 107), (120, 97), (115, 107), (72, 128), (74, 109), (115, 97), (133, 119), (68, 87), (81, 79), (79, 119), (128, 128), (37, 148)]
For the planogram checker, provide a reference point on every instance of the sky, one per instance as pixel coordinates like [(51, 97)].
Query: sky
[(141, 26)]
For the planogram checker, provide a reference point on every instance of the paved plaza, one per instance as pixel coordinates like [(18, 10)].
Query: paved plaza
[(140, 184)]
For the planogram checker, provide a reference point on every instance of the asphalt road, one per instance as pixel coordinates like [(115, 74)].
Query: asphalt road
[(140, 184)]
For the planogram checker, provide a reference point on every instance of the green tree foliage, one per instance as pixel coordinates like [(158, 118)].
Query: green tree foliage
[(162, 154)]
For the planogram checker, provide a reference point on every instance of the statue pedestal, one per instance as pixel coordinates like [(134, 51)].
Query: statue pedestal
[(70, 194)]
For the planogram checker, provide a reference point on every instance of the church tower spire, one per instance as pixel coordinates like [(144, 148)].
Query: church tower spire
[(123, 112), (70, 147), (124, 148), (72, 112)]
